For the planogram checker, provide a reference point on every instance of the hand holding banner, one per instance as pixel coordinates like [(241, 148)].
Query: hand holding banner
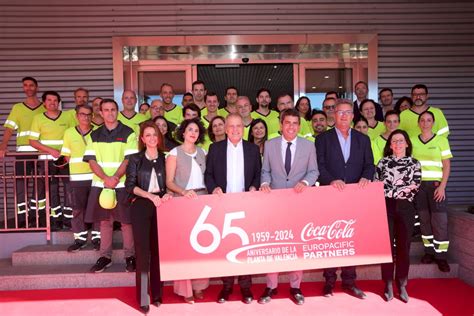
[(256, 232)]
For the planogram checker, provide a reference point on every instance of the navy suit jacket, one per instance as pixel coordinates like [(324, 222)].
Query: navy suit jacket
[(331, 161), (216, 166)]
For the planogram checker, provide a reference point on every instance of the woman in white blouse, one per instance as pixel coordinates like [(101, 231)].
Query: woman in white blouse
[(185, 167)]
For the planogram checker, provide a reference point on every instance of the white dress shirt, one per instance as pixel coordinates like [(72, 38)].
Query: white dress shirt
[(284, 145), (235, 167)]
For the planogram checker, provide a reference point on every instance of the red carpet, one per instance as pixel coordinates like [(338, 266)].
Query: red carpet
[(427, 297)]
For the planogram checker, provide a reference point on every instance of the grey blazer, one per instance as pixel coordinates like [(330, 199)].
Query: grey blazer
[(304, 167)]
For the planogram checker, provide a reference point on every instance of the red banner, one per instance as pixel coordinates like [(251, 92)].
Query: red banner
[(256, 232)]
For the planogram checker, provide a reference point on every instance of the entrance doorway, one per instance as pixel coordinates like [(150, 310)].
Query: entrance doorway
[(248, 79), (301, 64)]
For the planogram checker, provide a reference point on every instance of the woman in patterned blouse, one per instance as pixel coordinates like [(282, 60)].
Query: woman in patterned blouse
[(401, 175)]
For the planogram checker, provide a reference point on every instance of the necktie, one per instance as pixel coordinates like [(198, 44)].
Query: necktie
[(288, 159)]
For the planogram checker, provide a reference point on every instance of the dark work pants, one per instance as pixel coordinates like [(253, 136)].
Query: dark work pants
[(78, 196), (245, 282), (401, 217), (145, 235), (348, 276), (433, 220)]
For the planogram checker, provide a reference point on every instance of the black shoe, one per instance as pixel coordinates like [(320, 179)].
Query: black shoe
[(224, 296), (267, 295), (247, 296), (130, 264), (96, 244), (427, 258), (354, 291), (145, 309), (101, 264), (56, 225), (327, 290), (388, 291), (297, 296), (443, 265), (76, 246)]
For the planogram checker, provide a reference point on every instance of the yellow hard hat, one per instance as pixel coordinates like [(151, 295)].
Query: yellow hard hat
[(107, 199)]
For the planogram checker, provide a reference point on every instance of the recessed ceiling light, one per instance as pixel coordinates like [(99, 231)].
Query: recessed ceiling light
[(275, 67), (340, 87), (326, 77), (313, 87), (269, 79)]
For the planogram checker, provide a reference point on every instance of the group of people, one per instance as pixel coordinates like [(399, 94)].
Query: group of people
[(143, 159)]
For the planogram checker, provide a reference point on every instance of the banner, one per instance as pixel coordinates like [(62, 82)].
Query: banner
[(256, 232)]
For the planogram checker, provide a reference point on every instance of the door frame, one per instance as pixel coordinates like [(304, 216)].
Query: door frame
[(118, 43)]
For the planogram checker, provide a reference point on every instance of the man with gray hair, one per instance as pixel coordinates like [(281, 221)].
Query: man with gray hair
[(233, 165), (344, 156)]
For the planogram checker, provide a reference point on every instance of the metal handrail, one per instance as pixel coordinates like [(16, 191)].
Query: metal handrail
[(9, 173)]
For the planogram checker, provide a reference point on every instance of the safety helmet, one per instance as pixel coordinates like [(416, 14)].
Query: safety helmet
[(107, 199)]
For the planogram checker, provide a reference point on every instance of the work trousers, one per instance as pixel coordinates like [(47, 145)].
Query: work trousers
[(433, 219)]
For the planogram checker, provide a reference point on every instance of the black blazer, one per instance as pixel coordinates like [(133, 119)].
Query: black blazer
[(139, 172), (331, 161), (216, 166)]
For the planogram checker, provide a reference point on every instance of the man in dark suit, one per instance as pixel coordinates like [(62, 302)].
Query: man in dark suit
[(233, 165), (289, 161), (344, 156)]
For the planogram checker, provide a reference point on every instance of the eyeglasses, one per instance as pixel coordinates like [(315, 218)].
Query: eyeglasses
[(328, 107), (341, 113), (416, 95), (84, 114)]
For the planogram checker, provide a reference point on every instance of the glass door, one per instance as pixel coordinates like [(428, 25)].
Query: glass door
[(317, 79)]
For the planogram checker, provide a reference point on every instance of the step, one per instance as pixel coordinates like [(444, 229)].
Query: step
[(57, 254), (67, 238), (50, 276)]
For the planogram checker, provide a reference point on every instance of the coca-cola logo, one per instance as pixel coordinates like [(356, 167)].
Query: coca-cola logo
[(340, 229)]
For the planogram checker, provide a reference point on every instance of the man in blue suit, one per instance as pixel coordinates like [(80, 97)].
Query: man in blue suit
[(344, 156)]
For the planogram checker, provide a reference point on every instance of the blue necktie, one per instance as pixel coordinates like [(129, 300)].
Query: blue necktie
[(288, 159)]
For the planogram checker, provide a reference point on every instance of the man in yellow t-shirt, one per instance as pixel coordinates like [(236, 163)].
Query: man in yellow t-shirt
[(46, 135), (128, 115), (173, 112), (409, 118), (264, 112), (19, 120)]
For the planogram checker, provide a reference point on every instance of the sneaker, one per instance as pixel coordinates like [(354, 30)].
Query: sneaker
[(96, 244), (76, 246), (101, 265), (130, 264)]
